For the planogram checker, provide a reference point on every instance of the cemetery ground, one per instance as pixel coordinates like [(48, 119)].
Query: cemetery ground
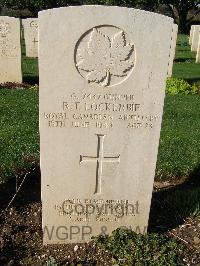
[(174, 226)]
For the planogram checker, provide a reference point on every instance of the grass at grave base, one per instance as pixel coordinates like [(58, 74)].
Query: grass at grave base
[(29, 67), (184, 64), (184, 203), (30, 70), (19, 137), (129, 248), (179, 150), (171, 207)]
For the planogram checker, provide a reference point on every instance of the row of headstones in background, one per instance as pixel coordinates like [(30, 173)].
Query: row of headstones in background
[(30, 32), (198, 52), (30, 28), (10, 46), (194, 40), (10, 50), (102, 85), (173, 50)]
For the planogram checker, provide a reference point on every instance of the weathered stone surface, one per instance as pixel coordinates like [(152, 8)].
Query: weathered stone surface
[(102, 87), (10, 50), (195, 38), (191, 34), (173, 50), (30, 26), (198, 52)]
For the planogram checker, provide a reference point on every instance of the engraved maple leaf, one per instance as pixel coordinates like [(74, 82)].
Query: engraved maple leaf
[(105, 57)]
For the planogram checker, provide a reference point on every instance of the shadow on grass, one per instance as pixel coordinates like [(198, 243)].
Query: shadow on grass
[(187, 59), (192, 80), (183, 49), (32, 80), (170, 207), (29, 192), (30, 70)]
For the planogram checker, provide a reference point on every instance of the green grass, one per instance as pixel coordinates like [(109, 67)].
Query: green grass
[(184, 203), (29, 68), (184, 64), (179, 150), (19, 137), (129, 248)]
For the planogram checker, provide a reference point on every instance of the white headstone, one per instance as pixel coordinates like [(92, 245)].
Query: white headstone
[(198, 52), (10, 50), (102, 92), (195, 38), (173, 50), (191, 34), (31, 36)]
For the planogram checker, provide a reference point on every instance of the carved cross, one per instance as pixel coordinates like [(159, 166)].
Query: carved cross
[(99, 160), (35, 41)]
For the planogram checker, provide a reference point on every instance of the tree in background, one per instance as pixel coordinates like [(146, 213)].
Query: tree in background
[(180, 9), (150, 5), (34, 6)]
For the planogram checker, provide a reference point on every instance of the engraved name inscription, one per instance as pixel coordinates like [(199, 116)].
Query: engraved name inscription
[(101, 111)]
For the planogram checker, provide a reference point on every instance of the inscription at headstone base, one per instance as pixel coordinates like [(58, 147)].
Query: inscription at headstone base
[(102, 92), (10, 50), (30, 26)]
